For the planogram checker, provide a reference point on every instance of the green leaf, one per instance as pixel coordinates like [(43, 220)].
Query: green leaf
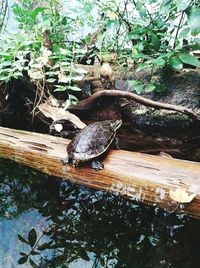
[(36, 65), (74, 88), (150, 88), (195, 46), (189, 59), (4, 54), (141, 9), (111, 23), (39, 10), (72, 98), (137, 55), (142, 66), (176, 63), (159, 61), (139, 88), (51, 80), (32, 237), (17, 74), (160, 87), (184, 32), (67, 103), (51, 73), (155, 87), (140, 46), (5, 63), (23, 260), (165, 7), (194, 21), (166, 55), (133, 36), (22, 239), (136, 85), (182, 4), (155, 40), (60, 88), (5, 78)]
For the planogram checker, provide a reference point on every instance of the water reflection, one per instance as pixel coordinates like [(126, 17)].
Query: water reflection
[(46, 222)]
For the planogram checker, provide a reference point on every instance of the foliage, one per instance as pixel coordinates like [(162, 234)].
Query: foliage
[(146, 34), (153, 34), (3, 14), (39, 51)]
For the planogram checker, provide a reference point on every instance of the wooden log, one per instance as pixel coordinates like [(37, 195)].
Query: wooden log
[(137, 176)]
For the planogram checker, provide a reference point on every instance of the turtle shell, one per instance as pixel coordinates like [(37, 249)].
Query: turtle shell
[(93, 140)]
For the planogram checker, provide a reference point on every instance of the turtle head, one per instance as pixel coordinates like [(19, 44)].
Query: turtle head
[(116, 124)]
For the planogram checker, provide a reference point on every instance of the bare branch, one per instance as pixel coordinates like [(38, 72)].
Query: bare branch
[(88, 103)]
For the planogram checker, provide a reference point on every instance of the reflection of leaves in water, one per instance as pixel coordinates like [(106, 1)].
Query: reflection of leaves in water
[(92, 225), (23, 259), (22, 239), (32, 237)]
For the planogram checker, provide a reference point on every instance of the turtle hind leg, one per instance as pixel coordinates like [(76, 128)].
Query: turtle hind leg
[(97, 165), (115, 144)]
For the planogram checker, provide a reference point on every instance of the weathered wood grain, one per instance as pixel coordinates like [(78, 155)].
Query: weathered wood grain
[(137, 176)]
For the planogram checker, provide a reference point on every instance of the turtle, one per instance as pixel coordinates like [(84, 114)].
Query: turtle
[(91, 142)]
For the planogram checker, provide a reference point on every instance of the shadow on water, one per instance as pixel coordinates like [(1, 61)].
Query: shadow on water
[(47, 222)]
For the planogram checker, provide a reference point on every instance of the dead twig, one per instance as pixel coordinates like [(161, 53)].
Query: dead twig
[(56, 113)]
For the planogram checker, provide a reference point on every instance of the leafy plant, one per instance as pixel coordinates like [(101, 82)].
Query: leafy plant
[(144, 34), (3, 14), (33, 242), (39, 51), (152, 34)]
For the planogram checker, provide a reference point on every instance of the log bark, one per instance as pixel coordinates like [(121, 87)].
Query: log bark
[(140, 177)]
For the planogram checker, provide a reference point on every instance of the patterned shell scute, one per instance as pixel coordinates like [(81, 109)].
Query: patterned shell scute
[(92, 141)]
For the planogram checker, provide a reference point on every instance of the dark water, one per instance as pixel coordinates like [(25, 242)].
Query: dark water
[(47, 222)]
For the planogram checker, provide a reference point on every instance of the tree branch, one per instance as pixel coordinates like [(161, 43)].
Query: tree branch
[(89, 102)]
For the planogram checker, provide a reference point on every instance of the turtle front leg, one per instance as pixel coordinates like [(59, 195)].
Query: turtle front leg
[(65, 160), (69, 160), (97, 165)]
